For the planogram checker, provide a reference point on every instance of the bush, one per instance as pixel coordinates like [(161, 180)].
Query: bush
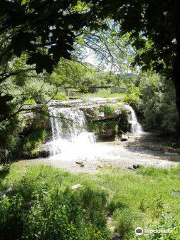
[(38, 209), (153, 98), (132, 97), (159, 103), (124, 222), (9, 141), (104, 129), (60, 96), (32, 141)]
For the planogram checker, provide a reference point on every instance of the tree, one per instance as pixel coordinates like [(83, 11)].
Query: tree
[(68, 74), (156, 22), (46, 30), (18, 92), (113, 51), (77, 75)]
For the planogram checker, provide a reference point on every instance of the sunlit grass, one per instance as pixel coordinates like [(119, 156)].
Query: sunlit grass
[(133, 197), (104, 93)]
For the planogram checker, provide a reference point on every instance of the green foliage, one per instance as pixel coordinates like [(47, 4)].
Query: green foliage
[(30, 102), (104, 129), (35, 210), (124, 222), (109, 128), (154, 99), (104, 93), (158, 103), (108, 110), (60, 96), (110, 49), (71, 74), (67, 73), (152, 171), (166, 228), (9, 141), (133, 97), (30, 143), (42, 204), (45, 38), (48, 31), (25, 88)]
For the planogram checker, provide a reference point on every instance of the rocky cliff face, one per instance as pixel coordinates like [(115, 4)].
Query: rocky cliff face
[(102, 112), (94, 110)]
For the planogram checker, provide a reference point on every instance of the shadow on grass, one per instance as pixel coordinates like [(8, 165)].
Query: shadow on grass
[(4, 171)]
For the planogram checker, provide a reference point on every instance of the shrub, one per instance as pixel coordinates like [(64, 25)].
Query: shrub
[(159, 103), (60, 96), (104, 129), (124, 222), (132, 97), (39, 209), (32, 141)]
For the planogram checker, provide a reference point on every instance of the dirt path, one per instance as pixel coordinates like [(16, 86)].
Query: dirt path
[(138, 150)]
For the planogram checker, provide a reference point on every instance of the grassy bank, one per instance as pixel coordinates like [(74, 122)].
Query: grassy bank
[(103, 93), (42, 204)]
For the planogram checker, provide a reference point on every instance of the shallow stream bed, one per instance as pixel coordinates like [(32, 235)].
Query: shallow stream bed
[(145, 150)]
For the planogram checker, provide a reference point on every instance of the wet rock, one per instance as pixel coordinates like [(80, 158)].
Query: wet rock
[(79, 162), (170, 153), (173, 144), (102, 111), (99, 166), (44, 153), (136, 166), (124, 138), (9, 189)]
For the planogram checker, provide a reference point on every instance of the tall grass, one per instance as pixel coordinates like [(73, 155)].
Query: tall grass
[(42, 204)]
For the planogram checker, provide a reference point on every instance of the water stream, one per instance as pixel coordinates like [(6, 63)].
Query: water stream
[(70, 139), (136, 127), (72, 144)]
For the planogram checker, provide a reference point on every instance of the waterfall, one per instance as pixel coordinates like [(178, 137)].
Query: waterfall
[(70, 140), (136, 127)]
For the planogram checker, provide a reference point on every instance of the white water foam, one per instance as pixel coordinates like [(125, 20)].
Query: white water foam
[(70, 140)]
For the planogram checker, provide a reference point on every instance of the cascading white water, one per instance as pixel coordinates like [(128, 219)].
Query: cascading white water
[(71, 142), (136, 127), (70, 139)]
